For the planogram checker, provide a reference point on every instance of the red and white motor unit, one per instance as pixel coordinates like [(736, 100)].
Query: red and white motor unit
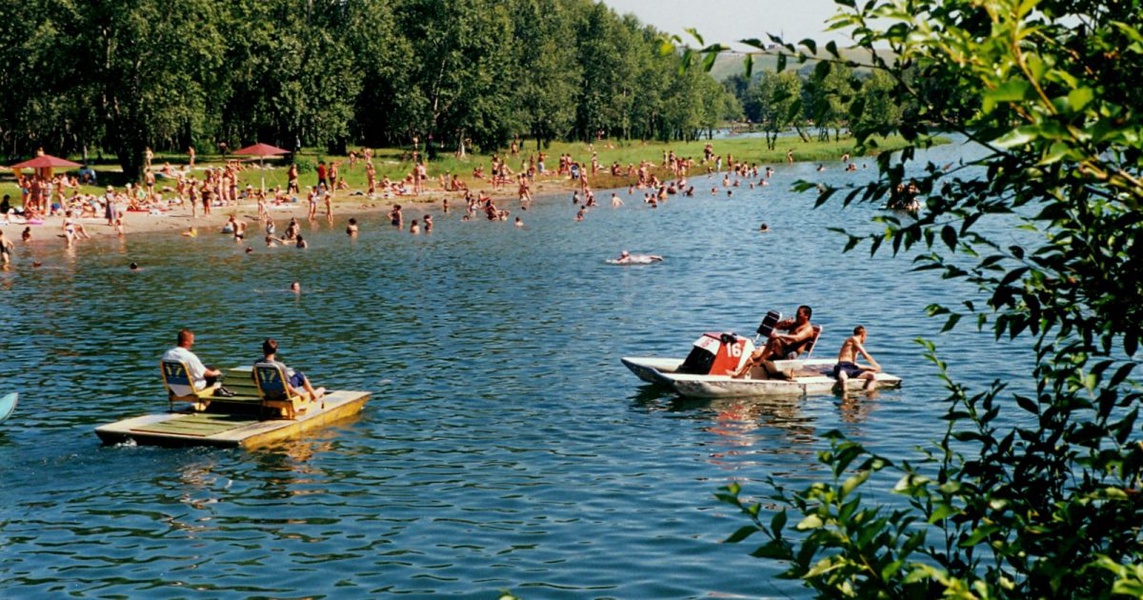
[(725, 353), (717, 354)]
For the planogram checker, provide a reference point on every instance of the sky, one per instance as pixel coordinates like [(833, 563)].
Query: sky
[(726, 21)]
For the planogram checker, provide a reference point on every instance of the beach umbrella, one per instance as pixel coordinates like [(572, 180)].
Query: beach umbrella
[(261, 151), (44, 161)]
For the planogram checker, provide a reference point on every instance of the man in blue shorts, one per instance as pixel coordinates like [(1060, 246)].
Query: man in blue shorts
[(847, 366)]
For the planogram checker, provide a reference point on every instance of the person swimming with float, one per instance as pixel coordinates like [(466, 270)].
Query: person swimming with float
[(626, 258)]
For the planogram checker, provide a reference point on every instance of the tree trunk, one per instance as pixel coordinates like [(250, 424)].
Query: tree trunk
[(801, 134)]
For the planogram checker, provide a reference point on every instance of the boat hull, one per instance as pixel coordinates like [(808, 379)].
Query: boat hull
[(812, 377), (8, 405), (230, 429)]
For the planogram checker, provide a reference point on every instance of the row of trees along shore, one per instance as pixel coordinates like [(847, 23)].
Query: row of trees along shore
[(121, 76), (823, 99), (124, 75)]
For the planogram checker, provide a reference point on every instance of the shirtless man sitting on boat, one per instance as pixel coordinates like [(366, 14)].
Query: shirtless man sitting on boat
[(847, 366), (799, 336)]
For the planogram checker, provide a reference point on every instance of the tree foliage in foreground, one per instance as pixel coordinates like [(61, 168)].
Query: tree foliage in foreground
[(1052, 507), (119, 76)]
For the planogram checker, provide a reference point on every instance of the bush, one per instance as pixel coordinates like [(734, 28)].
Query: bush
[(1050, 509), (305, 165)]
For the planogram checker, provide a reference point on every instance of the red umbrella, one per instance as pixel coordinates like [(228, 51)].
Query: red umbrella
[(261, 150), (44, 161)]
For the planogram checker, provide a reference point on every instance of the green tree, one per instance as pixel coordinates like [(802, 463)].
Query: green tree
[(462, 73), (37, 107), (610, 66), (547, 68), (122, 75), (1048, 508), (877, 109), (654, 88), (831, 93), (778, 97), (739, 86), (144, 68), (379, 52)]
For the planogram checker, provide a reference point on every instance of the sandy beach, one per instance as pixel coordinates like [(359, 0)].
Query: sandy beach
[(346, 204)]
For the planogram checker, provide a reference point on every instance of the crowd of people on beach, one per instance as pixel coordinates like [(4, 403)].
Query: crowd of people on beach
[(170, 190)]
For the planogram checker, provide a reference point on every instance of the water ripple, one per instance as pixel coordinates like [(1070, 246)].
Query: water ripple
[(504, 447)]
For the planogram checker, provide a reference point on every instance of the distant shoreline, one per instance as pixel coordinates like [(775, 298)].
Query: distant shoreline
[(351, 203)]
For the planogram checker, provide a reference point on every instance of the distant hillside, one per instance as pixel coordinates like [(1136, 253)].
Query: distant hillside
[(733, 63)]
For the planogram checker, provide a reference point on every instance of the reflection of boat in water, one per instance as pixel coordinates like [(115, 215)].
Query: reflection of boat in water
[(8, 405), (749, 412), (706, 371)]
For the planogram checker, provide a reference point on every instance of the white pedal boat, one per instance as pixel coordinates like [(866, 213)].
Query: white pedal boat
[(706, 372)]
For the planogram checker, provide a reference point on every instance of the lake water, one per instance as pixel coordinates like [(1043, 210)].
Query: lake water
[(505, 447)]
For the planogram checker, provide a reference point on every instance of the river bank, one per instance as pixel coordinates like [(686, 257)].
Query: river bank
[(179, 219)]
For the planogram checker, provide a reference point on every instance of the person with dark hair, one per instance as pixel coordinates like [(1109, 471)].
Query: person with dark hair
[(799, 335), (322, 176), (295, 380), (201, 375)]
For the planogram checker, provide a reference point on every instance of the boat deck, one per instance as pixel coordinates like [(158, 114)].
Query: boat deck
[(232, 422)]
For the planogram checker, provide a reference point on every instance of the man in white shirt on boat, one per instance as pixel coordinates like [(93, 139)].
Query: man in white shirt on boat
[(200, 375)]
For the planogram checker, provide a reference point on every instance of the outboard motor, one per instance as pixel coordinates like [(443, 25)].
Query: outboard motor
[(717, 354)]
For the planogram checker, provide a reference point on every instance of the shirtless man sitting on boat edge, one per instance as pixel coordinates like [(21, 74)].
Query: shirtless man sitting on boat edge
[(847, 366)]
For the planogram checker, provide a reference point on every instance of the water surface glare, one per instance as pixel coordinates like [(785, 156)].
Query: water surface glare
[(505, 446)]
